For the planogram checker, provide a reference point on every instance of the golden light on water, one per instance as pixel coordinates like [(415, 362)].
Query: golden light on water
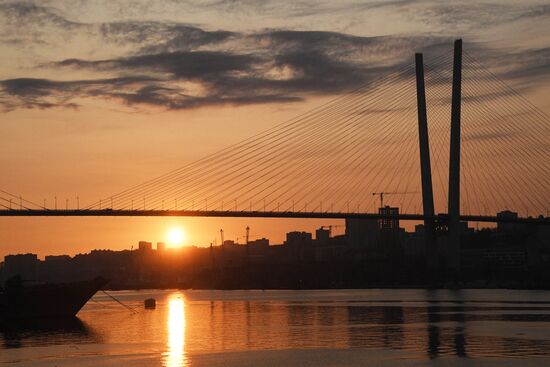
[(175, 356)]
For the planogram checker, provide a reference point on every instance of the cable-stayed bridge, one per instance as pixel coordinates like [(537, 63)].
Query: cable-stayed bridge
[(446, 136)]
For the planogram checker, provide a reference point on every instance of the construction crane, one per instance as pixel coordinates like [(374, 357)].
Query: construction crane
[(381, 194)]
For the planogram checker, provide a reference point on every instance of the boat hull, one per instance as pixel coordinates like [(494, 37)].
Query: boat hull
[(47, 300)]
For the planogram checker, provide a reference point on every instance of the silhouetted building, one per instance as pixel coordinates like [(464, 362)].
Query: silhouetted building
[(57, 259), (299, 246), (322, 235), (506, 257), (298, 239), (56, 268), (228, 243), (361, 232), (24, 265), (464, 229), (259, 245), (504, 227), (544, 235), (144, 245), (161, 246), (386, 223), (390, 235)]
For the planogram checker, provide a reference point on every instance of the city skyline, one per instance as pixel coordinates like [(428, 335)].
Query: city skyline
[(98, 106), (365, 254)]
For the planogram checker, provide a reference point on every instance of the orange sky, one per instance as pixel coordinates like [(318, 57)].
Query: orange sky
[(69, 129)]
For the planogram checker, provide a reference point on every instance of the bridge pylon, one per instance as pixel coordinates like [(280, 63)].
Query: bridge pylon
[(453, 250), (425, 166)]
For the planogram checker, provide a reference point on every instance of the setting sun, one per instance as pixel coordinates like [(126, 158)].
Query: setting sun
[(175, 237)]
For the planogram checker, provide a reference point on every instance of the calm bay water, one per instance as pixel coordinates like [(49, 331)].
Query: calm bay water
[(294, 328)]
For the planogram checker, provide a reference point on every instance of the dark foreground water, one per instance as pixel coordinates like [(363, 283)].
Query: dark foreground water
[(294, 328)]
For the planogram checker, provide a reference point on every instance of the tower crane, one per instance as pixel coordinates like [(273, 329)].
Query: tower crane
[(381, 194), (223, 246), (247, 242)]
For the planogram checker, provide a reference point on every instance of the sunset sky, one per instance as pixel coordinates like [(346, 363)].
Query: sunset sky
[(98, 96)]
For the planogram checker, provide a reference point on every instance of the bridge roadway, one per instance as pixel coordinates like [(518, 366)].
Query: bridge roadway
[(251, 214)]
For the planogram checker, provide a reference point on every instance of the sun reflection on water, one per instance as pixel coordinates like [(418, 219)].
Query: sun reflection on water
[(175, 357)]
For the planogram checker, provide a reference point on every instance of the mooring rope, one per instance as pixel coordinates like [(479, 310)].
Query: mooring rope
[(120, 302)]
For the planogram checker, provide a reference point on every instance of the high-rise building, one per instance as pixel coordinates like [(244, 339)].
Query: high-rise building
[(390, 236), (386, 223)]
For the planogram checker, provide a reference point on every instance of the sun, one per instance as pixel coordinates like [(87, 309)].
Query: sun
[(175, 237)]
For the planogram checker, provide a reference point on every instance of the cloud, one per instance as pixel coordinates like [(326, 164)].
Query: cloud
[(527, 65), (180, 66), (284, 71), (271, 66), (37, 93), (38, 15), (159, 37), (193, 64), (46, 25), (460, 16), (283, 66)]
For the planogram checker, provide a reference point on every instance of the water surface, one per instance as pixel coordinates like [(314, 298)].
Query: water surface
[(293, 328)]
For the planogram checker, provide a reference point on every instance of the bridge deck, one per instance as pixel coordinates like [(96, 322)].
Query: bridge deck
[(250, 214)]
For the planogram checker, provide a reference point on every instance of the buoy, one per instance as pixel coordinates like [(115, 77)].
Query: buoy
[(150, 303)]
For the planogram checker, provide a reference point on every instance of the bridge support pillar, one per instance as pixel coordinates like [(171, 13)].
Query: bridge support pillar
[(425, 165), (453, 258)]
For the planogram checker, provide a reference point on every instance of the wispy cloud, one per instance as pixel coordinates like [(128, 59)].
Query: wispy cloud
[(45, 93)]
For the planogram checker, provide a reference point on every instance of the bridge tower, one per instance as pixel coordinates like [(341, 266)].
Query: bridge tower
[(425, 165), (453, 258)]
